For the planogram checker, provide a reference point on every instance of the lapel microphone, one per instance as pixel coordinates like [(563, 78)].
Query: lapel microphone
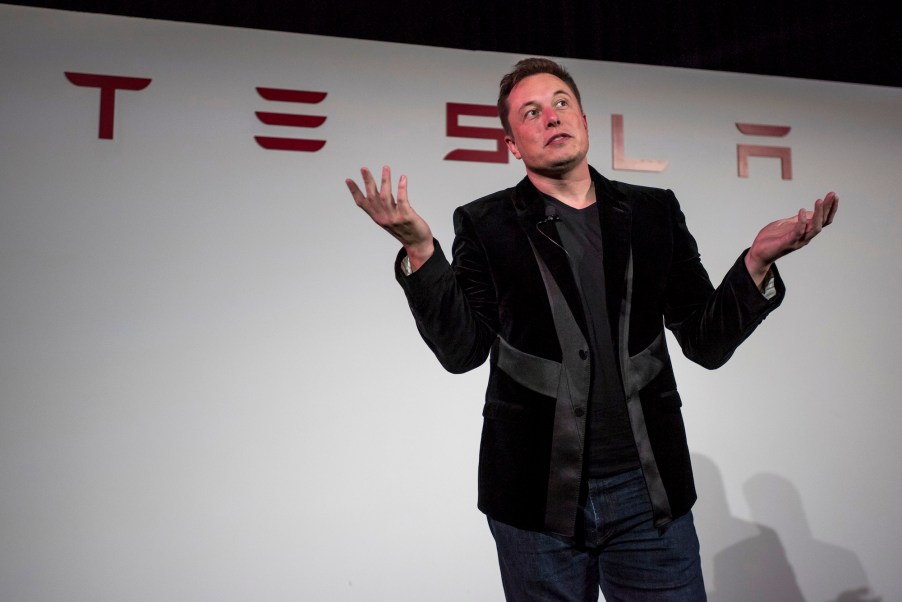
[(550, 215)]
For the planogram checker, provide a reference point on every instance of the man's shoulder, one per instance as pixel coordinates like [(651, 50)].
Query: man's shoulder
[(491, 204), (633, 192), (637, 189)]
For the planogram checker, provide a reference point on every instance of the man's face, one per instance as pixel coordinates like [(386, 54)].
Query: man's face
[(549, 131)]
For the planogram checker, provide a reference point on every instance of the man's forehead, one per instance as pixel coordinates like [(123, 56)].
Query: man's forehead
[(538, 84)]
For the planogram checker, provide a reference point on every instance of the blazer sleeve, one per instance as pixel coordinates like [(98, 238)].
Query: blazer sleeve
[(455, 308), (711, 324)]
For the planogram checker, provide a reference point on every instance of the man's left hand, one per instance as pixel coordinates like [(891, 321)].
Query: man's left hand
[(784, 236)]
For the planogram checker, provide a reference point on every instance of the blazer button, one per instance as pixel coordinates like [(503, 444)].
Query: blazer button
[(583, 354), (578, 412)]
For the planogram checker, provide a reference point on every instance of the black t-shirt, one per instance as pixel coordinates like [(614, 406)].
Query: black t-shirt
[(610, 447)]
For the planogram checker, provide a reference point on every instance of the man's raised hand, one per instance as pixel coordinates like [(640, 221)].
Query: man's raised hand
[(394, 215), (784, 236)]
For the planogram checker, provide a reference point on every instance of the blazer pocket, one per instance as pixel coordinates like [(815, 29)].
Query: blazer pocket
[(499, 410), (523, 406), (646, 365)]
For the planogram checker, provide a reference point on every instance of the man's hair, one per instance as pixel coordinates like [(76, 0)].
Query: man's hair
[(524, 69)]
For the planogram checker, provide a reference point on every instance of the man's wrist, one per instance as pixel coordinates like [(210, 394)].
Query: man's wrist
[(417, 255), (757, 270)]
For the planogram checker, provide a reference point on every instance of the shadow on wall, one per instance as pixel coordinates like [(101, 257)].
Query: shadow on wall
[(774, 558)]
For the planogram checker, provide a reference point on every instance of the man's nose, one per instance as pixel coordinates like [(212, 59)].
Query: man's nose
[(551, 117)]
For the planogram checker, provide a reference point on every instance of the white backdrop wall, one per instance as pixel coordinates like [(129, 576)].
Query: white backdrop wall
[(211, 388)]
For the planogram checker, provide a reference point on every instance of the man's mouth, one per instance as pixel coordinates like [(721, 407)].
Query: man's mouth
[(556, 138)]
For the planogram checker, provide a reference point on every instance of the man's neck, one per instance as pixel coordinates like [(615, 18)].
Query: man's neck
[(575, 188)]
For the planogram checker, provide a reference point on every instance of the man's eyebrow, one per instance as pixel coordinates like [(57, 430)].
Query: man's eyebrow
[(535, 102)]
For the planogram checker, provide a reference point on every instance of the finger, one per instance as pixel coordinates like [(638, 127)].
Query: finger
[(817, 216), (801, 224), (355, 192), (817, 220), (385, 190), (379, 206), (831, 210), (402, 193), (369, 182)]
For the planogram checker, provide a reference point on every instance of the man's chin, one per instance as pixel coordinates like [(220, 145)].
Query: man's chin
[(559, 168)]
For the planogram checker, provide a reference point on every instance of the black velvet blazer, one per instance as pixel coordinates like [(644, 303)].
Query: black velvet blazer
[(510, 295)]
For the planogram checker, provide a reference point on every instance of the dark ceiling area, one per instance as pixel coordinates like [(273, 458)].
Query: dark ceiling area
[(826, 40)]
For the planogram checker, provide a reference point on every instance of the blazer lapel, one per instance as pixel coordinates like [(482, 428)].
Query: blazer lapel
[(616, 225), (530, 207)]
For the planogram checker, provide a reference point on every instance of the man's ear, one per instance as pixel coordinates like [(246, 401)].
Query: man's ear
[(512, 146)]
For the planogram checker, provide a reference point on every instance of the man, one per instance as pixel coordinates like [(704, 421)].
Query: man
[(566, 282)]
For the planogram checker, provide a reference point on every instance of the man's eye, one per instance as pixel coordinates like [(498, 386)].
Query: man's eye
[(562, 103), (531, 113)]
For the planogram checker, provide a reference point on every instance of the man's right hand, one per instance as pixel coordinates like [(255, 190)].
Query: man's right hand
[(396, 216)]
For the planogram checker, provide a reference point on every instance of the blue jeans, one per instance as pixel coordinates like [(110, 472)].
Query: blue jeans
[(619, 551)]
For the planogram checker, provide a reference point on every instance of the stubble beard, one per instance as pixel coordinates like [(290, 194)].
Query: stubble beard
[(561, 167)]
